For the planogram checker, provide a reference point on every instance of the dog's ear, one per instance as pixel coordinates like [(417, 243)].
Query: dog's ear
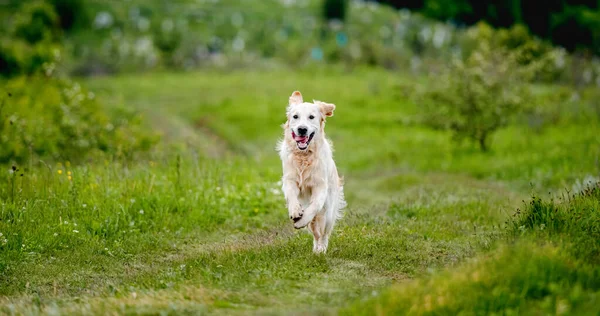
[(296, 97), (326, 108)]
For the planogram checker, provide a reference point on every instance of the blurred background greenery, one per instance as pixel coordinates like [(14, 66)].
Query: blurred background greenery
[(492, 49), (103, 37)]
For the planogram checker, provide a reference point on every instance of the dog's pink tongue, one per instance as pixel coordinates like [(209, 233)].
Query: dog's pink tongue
[(302, 139)]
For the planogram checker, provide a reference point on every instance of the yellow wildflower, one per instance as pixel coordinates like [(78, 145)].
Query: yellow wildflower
[(59, 171)]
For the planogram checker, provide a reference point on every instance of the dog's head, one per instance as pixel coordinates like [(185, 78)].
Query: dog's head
[(306, 120)]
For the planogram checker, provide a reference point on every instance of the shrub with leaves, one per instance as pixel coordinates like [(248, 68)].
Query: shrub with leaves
[(55, 118), (576, 215), (476, 97), (32, 40), (37, 22), (167, 38), (545, 63)]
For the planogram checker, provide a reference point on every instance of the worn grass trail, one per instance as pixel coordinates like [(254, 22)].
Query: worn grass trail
[(200, 225), (272, 267)]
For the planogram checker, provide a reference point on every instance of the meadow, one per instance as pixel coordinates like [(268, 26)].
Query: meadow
[(198, 223)]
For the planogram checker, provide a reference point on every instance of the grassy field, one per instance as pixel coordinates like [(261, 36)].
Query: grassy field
[(199, 224)]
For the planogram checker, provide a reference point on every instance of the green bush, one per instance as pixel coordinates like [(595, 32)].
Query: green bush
[(17, 57), (71, 13), (37, 22), (33, 41), (10, 61), (540, 57), (578, 216), (167, 38), (475, 98), (54, 118)]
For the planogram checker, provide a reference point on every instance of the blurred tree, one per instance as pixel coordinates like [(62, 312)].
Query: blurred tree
[(36, 22), (445, 10), (335, 9), (576, 27), (31, 40), (71, 13), (406, 4), (477, 97), (573, 24), (167, 39)]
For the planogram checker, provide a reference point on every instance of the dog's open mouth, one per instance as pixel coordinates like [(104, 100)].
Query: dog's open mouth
[(302, 141)]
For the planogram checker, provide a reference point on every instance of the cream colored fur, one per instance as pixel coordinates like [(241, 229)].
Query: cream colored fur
[(311, 185)]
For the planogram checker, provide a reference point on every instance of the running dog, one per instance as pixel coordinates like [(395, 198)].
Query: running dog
[(311, 185)]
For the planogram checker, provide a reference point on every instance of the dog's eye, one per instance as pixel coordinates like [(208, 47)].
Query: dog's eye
[(311, 117), (295, 117)]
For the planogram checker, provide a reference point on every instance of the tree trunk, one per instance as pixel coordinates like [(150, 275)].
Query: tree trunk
[(483, 142)]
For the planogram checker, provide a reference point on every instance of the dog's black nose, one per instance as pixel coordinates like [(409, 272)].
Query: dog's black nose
[(302, 131)]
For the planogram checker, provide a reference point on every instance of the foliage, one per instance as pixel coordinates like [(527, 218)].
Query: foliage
[(335, 9), (576, 215), (167, 38), (54, 118), (544, 62), (73, 14), (582, 20), (19, 58), (229, 33), (32, 42), (556, 21), (37, 22), (139, 35), (477, 97)]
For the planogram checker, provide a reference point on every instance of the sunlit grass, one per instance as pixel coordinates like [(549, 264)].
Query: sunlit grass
[(550, 266), (199, 224)]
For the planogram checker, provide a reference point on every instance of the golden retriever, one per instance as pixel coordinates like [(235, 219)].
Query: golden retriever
[(311, 185)]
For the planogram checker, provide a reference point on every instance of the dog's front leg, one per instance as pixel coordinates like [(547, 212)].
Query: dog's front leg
[(317, 201), (291, 192)]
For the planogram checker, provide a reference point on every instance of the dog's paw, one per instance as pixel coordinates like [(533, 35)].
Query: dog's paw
[(303, 221), (296, 213), (320, 249)]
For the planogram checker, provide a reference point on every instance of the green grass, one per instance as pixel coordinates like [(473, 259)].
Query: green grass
[(550, 266), (199, 224)]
